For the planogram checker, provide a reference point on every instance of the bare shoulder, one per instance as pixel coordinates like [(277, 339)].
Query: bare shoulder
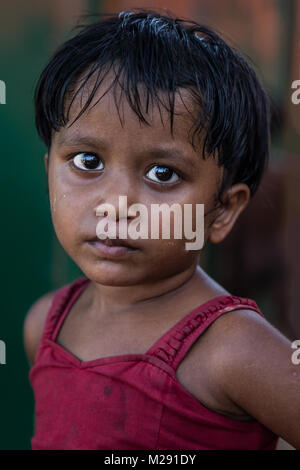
[(247, 328), (34, 323), (243, 337), (252, 362)]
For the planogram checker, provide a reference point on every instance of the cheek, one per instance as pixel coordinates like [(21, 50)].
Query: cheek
[(185, 223), (64, 219), (168, 257), (171, 233), (64, 203), (65, 213)]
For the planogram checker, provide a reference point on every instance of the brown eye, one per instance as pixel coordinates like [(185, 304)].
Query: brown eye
[(162, 174), (88, 161)]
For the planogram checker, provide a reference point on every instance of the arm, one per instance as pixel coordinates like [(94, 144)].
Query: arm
[(34, 324), (255, 369)]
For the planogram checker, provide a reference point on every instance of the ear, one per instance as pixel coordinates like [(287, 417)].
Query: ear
[(46, 161), (235, 201)]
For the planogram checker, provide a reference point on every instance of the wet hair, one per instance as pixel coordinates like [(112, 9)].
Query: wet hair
[(163, 53)]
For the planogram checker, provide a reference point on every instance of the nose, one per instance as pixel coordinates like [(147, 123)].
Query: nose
[(118, 191)]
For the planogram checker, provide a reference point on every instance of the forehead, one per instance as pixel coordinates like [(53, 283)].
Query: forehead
[(111, 114)]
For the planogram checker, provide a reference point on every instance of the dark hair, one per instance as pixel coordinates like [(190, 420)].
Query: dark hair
[(164, 54)]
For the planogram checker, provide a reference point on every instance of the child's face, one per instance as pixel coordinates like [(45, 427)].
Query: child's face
[(124, 158)]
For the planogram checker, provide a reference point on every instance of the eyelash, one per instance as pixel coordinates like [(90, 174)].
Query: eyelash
[(93, 171)]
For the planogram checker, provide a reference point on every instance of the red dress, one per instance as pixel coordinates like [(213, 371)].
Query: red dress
[(132, 401)]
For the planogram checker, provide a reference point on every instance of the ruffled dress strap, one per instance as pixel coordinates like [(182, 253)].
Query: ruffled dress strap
[(175, 343), (60, 306)]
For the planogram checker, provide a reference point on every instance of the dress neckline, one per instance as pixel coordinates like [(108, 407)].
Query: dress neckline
[(219, 302)]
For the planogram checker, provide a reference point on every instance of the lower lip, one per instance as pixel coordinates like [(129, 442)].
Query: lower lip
[(111, 251)]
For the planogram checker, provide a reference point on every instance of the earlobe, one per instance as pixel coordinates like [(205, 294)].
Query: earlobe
[(235, 201), (46, 161)]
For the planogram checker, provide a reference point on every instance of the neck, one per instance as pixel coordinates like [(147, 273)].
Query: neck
[(107, 299)]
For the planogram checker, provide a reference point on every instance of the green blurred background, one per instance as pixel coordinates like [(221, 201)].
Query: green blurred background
[(261, 257)]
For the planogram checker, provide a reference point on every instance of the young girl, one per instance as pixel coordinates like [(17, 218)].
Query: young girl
[(147, 351)]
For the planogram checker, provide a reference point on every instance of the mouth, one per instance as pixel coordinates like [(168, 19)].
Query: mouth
[(112, 247), (113, 242)]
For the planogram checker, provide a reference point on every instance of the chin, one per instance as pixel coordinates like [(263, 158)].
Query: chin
[(107, 274)]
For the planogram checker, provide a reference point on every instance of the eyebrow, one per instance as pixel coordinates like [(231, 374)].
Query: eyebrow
[(155, 152)]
